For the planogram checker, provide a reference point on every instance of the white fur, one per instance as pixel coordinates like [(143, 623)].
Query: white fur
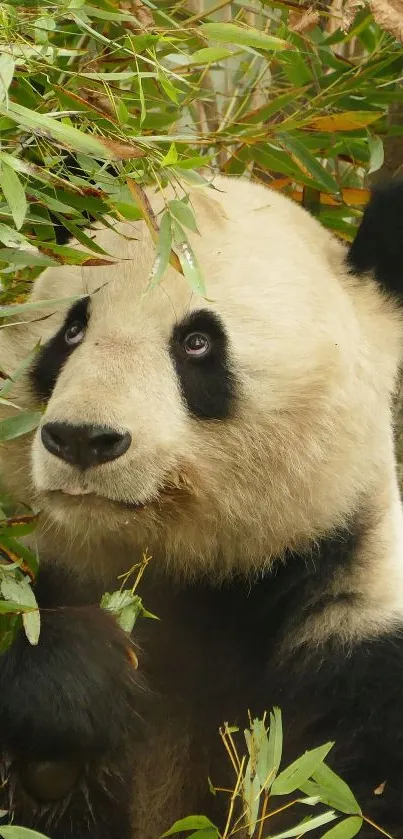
[(315, 352)]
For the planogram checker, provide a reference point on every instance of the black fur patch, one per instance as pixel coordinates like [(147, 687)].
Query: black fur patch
[(207, 384), (378, 245), (229, 658), (54, 354), (216, 653)]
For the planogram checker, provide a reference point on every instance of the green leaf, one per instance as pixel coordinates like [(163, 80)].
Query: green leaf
[(251, 790), (345, 829), (187, 259), (7, 67), (168, 87), (171, 157), (205, 833), (308, 164), (20, 257), (122, 76), (191, 823), (16, 528), (18, 425), (51, 303), (332, 790), (20, 591), (298, 772), (377, 154), (209, 55), (14, 832), (126, 606), (9, 236), (82, 237), (164, 246), (143, 106), (32, 625), (183, 214), (306, 826), (22, 367), (8, 607), (14, 193), (230, 33), (275, 746), (25, 554), (67, 135)]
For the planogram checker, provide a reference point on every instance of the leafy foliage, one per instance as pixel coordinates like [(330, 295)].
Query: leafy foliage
[(308, 781), (159, 92)]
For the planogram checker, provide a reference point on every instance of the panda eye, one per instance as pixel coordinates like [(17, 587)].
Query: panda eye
[(74, 333), (197, 344)]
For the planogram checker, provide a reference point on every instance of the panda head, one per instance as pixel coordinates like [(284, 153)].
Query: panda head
[(214, 431)]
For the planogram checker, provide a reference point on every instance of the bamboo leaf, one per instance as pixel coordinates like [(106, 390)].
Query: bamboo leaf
[(51, 303), (308, 164), (8, 607), (230, 33), (332, 790), (14, 194), (346, 121), (210, 55), (20, 591), (377, 154), (164, 247), (7, 67), (187, 259), (20, 257), (298, 772), (18, 425), (191, 823), (14, 832), (306, 826), (345, 829), (67, 135), (275, 746), (183, 214)]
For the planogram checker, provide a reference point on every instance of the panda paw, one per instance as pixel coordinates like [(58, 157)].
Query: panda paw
[(69, 719), (75, 693)]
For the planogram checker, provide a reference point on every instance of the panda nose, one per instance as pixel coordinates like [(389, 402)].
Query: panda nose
[(84, 445)]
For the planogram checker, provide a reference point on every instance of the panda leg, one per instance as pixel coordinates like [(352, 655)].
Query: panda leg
[(70, 712)]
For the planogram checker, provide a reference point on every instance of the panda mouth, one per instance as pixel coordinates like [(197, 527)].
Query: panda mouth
[(83, 498)]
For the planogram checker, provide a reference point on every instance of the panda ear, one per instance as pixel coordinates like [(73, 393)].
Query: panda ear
[(62, 234), (378, 245)]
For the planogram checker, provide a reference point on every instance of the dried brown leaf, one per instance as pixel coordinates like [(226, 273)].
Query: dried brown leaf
[(304, 22), (121, 151), (387, 13), (140, 11)]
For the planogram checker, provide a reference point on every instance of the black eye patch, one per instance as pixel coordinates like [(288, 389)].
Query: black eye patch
[(54, 354), (207, 383)]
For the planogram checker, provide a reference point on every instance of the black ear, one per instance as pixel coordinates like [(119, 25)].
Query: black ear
[(378, 245), (62, 234)]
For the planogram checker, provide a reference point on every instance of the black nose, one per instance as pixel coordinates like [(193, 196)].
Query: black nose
[(84, 445)]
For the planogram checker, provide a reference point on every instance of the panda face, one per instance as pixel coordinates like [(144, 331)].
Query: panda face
[(213, 431)]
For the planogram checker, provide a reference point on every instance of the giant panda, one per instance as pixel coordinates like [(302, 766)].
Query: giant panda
[(244, 439)]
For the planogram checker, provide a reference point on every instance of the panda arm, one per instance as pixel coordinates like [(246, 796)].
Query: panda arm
[(353, 696), (74, 701)]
